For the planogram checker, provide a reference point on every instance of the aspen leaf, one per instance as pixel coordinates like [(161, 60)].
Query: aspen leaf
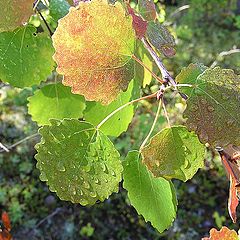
[(213, 107), (153, 198), (188, 75), (118, 123), (94, 43), (14, 13), (223, 234), (25, 58), (160, 37), (79, 163), (174, 153), (55, 101)]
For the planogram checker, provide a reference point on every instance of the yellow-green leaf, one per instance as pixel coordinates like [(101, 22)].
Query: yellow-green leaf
[(14, 13), (94, 43)]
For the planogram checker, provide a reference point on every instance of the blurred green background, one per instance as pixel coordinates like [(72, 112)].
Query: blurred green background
[(204, 30)]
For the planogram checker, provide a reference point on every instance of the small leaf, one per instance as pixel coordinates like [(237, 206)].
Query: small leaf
[(118, 123), (58, 9), (174, 153), (138, 23), (147, 9), (153, 198), (223, 234), (213, 107), (160, 37), (6, 221), (55, 101), (78, 163), (188, 75), (14, 13), (94, 43), (25, 58)]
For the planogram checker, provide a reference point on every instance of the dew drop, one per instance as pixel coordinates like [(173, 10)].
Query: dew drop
[(93, 194), (86, 185), (210, 109), (97, 181), (203, 101), (60, 167), (113, 173)]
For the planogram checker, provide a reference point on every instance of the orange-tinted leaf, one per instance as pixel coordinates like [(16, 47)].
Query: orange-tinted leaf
[(233, 199), (14, 13), (233, 173), (6, 221), (223, 234), (94, 43), (139, 25)]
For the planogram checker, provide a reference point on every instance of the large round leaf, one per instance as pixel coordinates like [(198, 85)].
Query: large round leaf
[(94, 44), (80, 164), (213, 107), (25, 58), (174, 153)]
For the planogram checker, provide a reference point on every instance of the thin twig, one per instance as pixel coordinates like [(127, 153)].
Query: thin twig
[(147, 68), (125, 105), (164, 72), (166, 113), (21, 141), (44, 20), (153, 125), (4, 147), (225, 53), (36, 2)]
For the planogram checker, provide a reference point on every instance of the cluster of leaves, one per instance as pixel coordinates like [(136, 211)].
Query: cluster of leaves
[(93, 47)]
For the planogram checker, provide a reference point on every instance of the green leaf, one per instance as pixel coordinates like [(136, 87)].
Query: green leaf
[(25, 58), (153, 198), (55, 101), (174, 153), (160, 37), (58, 8), (80, 164), (188, 75), (14, 13), (213, 107), (143, 76), (118, 123)]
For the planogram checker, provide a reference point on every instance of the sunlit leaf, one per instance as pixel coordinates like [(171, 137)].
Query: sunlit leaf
[(147, 9), (55, 101), (25, 58), (213, 107), (153, 198), (174, 153), (94, 44), (160, 37), (223, 234), (118, 123), (58, 8), (188, 75), (14, 13), (142, 74), (78, 163)]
